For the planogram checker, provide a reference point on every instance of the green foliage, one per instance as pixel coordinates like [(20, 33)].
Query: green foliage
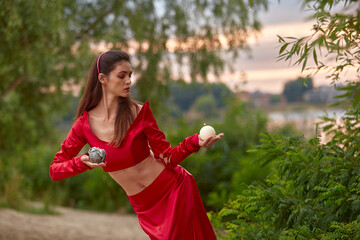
[(313, 190), (221, 172), (335, 34), (275, 98), (185, 94), (29, 40), (29, 180), (287, 129), (47, 46), (311, 193), (206, 105), (294, 90), (225, 169)]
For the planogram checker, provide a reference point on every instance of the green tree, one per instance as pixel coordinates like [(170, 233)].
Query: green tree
[(294, 90), (185, 94), (46, 46), (206, 106), (313, 189)]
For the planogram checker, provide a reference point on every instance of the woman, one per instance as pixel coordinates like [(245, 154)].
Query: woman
[(164, 195)]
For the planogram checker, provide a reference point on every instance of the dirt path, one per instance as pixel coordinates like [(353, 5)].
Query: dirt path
[(71, 224)]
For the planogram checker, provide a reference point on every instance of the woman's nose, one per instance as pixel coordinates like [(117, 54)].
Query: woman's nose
[(128, 81)]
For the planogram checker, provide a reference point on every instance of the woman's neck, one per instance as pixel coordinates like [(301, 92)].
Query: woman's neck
[(108, 106)]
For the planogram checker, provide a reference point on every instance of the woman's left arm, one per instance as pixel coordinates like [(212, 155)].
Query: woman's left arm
[(172, 156)]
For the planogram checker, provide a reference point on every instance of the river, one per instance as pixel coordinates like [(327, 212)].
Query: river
[(304, 120)]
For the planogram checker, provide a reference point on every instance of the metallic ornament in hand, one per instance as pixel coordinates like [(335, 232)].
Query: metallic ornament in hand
[(97, 155)]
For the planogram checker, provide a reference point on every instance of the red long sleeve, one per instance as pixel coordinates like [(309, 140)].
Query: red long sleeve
[(159, 145), (65, 163)]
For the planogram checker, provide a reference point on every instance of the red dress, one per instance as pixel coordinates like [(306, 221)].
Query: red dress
[(171, 207)]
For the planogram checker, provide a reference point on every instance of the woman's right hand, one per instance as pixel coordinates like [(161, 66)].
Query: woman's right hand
[(86, 160)]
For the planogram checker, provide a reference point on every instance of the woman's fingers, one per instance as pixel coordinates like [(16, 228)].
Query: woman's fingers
[(86, 160), (210, 141), (95, 165)]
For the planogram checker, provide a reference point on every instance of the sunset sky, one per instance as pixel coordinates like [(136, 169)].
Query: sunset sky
[(262, 71)]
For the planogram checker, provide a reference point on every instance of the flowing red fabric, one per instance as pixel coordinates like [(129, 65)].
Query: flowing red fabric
[(171, 208)]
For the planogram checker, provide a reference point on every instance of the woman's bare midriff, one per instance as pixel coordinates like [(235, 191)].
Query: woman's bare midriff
[(136, 178)]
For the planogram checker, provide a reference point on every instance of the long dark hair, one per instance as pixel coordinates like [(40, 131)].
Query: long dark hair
[(127, 108)]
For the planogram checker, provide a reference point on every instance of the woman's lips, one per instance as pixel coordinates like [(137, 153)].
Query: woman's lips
[(127, 89)]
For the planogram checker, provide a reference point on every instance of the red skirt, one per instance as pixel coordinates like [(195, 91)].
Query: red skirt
[(171, 208)]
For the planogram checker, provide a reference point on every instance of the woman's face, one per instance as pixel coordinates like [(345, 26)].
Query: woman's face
[(118, 81)]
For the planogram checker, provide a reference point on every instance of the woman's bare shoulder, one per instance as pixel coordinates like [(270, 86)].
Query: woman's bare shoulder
[(136, 108)]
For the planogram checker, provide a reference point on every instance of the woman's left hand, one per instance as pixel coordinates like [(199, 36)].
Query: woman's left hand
[(210, 141)]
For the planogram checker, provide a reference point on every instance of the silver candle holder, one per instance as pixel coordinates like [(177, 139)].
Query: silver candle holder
[(97, 155)]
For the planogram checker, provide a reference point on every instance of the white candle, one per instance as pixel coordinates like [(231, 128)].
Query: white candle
[(206, 132)]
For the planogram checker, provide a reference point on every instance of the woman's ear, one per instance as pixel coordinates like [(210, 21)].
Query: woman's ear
[(102, 78)]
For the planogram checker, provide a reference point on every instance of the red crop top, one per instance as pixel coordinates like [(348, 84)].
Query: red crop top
[(134, 148)]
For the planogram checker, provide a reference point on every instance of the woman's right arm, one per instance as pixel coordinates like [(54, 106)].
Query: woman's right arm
[(66, 162)]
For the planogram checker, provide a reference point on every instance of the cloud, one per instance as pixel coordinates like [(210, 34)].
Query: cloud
[(283, 11)]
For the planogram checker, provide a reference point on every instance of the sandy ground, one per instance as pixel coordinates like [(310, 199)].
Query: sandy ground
[(71, 224)]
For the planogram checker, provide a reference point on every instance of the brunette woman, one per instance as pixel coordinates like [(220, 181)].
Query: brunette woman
[(163, 194)]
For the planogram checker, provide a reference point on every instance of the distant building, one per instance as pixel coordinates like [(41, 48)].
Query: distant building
[(260, 99), (244, 95), (321, 94)]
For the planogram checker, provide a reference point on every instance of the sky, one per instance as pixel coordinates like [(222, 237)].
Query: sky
[(262, 72)]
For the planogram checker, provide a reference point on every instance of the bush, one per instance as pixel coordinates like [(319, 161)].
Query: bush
[(312, 192)]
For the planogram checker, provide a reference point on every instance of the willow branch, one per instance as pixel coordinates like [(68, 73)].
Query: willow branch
[(99, 19), (12, 86)]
